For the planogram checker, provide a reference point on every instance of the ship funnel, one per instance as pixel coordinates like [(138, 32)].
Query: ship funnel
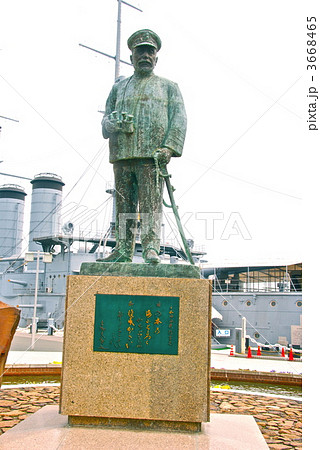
[(45, 216), (11, 219)]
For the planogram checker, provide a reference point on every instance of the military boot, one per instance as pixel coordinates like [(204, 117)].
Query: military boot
[(150, 256), (123, 252), (116, 256)]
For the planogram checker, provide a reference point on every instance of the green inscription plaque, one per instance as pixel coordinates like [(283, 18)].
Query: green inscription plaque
[(136, 324)]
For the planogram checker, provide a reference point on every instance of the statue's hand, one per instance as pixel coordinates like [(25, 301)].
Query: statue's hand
[(163, 156), (111, 123)]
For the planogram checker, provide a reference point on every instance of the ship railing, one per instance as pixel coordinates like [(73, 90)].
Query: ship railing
[(222, 285)]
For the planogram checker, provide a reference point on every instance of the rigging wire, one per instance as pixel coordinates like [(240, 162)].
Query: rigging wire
[(68, 194), (54, 209), (94, 213), (100, 276), (243, 180), (95, 170), (248, 322), (236, 309)]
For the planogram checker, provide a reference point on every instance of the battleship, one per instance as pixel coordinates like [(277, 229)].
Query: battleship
[(268, 296), (52, 252)]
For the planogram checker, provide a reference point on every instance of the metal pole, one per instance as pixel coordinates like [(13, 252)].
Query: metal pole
[(243, 335), (33, 337), (117, 66)]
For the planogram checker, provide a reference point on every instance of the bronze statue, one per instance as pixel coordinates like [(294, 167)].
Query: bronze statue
[(145, 122)]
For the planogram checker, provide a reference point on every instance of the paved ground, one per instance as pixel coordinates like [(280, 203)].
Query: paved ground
[(48, 349), (22, 341), (278, 419), (220, 359), (217, 361)]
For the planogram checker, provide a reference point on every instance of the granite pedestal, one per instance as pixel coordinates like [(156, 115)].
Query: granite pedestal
[(47, 429), (137, 350)]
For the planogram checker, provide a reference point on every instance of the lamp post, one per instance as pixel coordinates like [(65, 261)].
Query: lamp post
[(46, 258), (33, 337), (243, 334)]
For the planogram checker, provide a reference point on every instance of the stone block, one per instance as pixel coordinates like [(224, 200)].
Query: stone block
[(151, 364), (140, 270), (46, 428)]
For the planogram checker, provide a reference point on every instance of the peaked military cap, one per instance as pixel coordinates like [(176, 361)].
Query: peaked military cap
[(144, 37)]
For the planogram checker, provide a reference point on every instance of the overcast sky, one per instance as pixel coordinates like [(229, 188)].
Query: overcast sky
[(241, 68)]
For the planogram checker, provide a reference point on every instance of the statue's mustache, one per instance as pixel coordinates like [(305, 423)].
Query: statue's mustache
[(144, 60)]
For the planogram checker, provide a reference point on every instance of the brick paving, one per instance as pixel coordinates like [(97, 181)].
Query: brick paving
[(280, 420)]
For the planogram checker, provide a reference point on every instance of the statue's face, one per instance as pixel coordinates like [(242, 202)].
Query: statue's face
[(144, 58)]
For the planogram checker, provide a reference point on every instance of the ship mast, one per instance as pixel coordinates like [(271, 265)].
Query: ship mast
[(118, 61), (117, 57), (118, 41), (118, 45)]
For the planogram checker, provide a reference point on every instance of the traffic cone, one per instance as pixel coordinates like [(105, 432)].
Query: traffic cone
[(259, 351), (249, 353), (231, 351), (283, 353), (291, 355)]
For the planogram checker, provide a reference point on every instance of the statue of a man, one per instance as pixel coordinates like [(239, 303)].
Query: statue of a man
[(145, 122)]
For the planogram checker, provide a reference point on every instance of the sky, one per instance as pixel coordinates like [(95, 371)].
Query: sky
[(241, 68)]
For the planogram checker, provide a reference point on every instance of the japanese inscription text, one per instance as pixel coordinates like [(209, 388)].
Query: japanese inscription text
[(136, 324)]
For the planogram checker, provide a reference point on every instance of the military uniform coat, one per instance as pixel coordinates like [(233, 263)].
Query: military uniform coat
[(159, 117)]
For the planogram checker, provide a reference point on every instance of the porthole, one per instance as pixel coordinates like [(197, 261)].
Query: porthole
[(248, 303), (224, 303), (256, 335), (273, 303), (299, 303)]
